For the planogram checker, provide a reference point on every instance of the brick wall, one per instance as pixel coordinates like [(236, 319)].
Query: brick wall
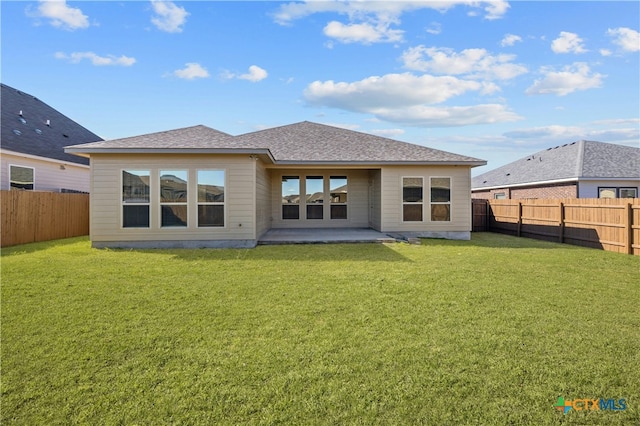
[(550, 191)]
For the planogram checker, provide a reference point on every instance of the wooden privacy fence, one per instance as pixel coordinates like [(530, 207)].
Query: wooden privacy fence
[(608, 224), (29, 216)]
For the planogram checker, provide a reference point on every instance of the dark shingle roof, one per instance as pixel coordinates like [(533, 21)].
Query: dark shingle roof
[(303, 142), (577, 160), (30, 134)]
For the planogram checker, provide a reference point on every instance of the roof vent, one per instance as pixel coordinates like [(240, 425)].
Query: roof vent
[(20, 113), (38, 131), (508, 174), (48, 123), (17, 132), (23, 121), (65, 135)]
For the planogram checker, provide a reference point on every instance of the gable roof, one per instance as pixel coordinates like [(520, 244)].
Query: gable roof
[(572, 161), (299, 143), (29, 133)]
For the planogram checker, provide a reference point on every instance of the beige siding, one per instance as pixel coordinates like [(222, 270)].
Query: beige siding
[(357, 199), (263, 199), (375, 206), (106, 205), (48, 176), (392, 198)]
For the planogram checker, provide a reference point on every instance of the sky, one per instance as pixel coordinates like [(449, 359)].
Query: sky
[(495, 80)]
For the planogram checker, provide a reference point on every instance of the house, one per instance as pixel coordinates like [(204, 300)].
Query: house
[(199, 187), (32, 140), (583, 169)]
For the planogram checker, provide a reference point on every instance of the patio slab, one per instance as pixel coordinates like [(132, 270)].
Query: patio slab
[(324, 235)]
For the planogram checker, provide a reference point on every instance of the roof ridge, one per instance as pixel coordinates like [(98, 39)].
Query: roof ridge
[(580, 160)]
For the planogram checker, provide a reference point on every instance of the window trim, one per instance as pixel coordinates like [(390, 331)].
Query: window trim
[(449, 203), (33, 183), (627, 188), (172, 203), (212, 203), (613, 188), (413, 203), (331, 203), (123, 204)]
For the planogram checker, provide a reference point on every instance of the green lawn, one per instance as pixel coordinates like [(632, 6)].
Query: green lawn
[(488, 331)]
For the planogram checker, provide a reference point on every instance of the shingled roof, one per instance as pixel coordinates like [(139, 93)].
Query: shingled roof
[(24, 128), (573, 161), (299, 143)]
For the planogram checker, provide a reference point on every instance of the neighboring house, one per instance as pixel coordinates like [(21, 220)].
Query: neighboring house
[(582, 169), (32, 140), (198, 187)]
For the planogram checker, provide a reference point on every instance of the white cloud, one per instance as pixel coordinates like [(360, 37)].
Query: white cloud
[(254, 75), (605, 52), (191, 71), (391, 90), (565, 134), (572, 77), (168, 17), (510, 40), (626, 38), (371, 21), (427, 116), (568, 43), (97, 60), (405, 98), (365, 33), (61, 15), (434, 28), (388, 133), (474, 63)]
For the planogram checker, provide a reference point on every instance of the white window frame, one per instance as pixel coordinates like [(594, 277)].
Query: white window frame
[(411, 203), (11, 188), (212, 203), (449, 203), (123, 203), (172, 203)]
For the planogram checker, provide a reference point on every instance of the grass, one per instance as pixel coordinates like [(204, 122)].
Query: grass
[(488, 331)]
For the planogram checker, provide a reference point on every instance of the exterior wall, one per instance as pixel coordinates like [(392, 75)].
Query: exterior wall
[(551, 191), (263, 199), (375, 200), (589, 189), (48, 176), (106, 202), (460, 222), (567, 190), (357, 199)]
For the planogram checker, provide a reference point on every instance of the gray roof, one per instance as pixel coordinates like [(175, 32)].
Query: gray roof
[(572, 161), (30, 134), (299, 143)]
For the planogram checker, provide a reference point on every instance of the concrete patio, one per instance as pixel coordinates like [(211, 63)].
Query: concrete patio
[(324, 235)]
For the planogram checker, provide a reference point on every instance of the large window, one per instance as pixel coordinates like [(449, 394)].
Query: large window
[(338, 193), (440, 199), (315, 197), (290, 197), (210, 198), (135, 198), (412, 199), (615, 192), (173, 198), (21, 178)]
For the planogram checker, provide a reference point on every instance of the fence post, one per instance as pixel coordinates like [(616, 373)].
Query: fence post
[(628, 228), (519, 217), (561, 230)]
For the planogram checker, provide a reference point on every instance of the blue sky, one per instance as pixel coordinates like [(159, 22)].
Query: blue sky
[(494, 80)]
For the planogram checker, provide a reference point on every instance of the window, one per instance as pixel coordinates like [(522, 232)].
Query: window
[(628, 192), (135, 198), (21, 178), (338, 194), (412, 199), (499, 196), (440, 199), (173, 198), (315, 197), (210, 198), (606, 192), (290, 197)]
